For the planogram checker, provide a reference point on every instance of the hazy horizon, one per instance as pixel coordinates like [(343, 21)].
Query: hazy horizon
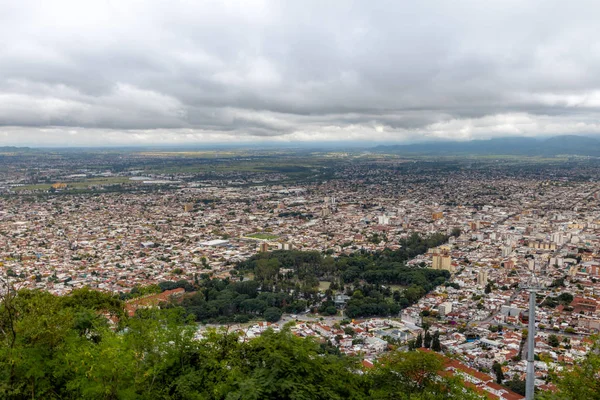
[(362, 145)]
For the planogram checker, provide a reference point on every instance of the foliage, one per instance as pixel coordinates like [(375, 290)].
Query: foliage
[(516, 385), (381, 267), (419, 341), (272, 314), (220, 300), (414, 375), (140, 291), (297, 273), (553, 340), (170, 285), (488, 288), (564, 299), (427, 340), (372, 300), (497, 368), (435, 344), (65, 348), (580, 381)]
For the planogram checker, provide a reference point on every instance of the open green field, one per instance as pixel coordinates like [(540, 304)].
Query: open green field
[(78, 184), (397, 287), (262, 236), (191, 154), (254, 166), (506, 158)]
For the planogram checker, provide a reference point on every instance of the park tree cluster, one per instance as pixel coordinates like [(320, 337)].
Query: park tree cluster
[(367, 277)]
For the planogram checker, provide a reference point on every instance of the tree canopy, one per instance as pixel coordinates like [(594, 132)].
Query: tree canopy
[(579, 381), (67, 348)]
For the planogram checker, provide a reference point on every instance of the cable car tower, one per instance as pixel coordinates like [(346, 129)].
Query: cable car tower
[(533, 286)]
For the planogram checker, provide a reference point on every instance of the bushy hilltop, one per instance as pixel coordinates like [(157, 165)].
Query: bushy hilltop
[(66, 348)]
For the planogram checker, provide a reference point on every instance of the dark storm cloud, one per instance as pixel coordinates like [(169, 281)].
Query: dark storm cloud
[(156, 71)]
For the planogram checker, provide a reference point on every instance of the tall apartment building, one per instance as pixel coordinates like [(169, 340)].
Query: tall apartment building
[(482, 278), (263, 247), (442, 261), (285, 246), (383, 220)]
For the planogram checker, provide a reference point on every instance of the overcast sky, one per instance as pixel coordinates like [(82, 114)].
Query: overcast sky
[(171, 72)]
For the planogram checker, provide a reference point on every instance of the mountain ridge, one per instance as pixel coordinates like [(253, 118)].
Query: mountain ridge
[(512, 145)]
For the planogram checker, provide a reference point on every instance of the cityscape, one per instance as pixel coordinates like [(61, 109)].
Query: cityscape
[(123, 229), (299, 200)]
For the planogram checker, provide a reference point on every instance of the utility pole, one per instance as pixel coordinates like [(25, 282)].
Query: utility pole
[(533, 286), (530, 382)]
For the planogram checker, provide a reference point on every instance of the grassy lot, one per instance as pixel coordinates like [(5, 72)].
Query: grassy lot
[(191, 154), (78, 184), (262, 235)]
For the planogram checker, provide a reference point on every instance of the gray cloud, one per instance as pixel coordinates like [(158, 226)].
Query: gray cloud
[(119, 72)]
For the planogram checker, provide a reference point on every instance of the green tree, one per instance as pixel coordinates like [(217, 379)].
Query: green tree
[(415, 375), (517, 385), (348, 330), (278, 366), (488, 288), (497, 368), (565, 298), (33, 326), (65, 348), (427, 340), (272, 314), (435, 344), (419, 341), (579, 381)]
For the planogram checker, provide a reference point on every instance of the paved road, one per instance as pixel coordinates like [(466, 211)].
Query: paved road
[(551, 331), (496, 312), (524, 352), (285, 318)]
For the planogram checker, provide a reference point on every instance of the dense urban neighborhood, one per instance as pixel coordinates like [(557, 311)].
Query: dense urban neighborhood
[(363, 252)]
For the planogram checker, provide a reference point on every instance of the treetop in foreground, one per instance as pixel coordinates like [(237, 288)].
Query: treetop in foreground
[(66, 348)]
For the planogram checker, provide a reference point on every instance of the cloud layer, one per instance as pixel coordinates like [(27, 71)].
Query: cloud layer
[(159, 72)]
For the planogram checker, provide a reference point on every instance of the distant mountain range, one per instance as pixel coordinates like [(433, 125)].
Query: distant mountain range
[(558, 145), (13, 149)]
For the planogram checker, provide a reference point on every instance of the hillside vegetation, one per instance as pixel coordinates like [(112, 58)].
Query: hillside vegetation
[(65, 348)]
